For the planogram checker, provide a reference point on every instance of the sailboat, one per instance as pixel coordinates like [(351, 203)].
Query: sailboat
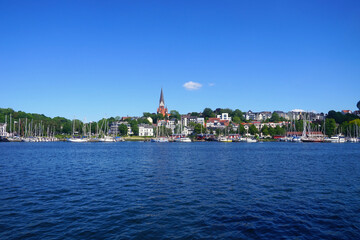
[(105, 137), (74, 139), (159, 139), (182, 138), (309, 136)]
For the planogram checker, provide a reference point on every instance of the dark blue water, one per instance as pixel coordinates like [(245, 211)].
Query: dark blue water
[(176, 190)]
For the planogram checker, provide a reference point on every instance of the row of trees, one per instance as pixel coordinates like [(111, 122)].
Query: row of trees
[(337, 122)]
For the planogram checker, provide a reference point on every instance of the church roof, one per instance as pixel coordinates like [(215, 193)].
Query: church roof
[(162, 97)]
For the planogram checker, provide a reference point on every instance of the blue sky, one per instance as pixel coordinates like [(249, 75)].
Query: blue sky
[(94, 59)]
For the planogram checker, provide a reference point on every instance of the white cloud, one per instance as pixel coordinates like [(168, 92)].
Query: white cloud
[(211, 84), (192, 85)]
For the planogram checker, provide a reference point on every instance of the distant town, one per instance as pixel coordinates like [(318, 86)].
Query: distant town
[(217, 124)]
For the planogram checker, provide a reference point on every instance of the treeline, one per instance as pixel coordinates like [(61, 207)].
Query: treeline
[(347, 124), (336, 122), (19, 119)]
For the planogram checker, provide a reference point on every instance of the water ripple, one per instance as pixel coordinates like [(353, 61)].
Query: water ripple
[(179, 191)]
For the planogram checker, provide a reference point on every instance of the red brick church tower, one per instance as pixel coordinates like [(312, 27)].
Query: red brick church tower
[(162, 109)]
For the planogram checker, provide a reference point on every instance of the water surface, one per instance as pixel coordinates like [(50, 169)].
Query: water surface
[(179, 190)]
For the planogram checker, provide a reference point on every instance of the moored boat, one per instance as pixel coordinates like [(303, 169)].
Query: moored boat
[(224, 139), (182, 139), (160, 139), (77, 140), (251, 140), (107, 139)]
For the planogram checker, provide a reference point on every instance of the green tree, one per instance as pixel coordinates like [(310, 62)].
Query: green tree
[(253, 130), (242, 129), (208, 113), (226, 110), (175, 114), (198, 128), (134, 127), (159, 116), (279, 131), (123, 129), (236, 119), (239, 114), (147, 114), (330, 126), (194, 114), (340, 117), (265, 130), (356, 121), (275, 117), (143, 120)]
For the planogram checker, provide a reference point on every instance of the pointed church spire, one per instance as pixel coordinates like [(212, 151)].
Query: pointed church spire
[(162, 101)]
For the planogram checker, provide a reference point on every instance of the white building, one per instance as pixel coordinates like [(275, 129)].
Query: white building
[(184, 121), (3, 132), (171, 123), (187, 131), (224, 116), (201, 121), (146, 130), (114, 127)]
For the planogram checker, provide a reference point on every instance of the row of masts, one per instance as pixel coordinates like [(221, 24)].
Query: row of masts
[(86, 129), (25, 128)]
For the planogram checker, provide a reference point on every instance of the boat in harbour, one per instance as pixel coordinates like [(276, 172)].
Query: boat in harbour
[(182, 139), (335, 139), (160, 139), (107, 139), (77, 140), (251, 140), (224, 139)]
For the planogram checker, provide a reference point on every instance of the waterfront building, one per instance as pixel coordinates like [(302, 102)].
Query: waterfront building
[(187, 131), (146, 130), (162, 109), (3, 132), (114, 127)]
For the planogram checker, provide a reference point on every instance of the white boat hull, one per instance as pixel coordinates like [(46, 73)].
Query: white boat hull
[(77, 140)]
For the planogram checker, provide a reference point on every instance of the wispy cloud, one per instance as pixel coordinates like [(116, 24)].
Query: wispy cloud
[(211, 84), (192, 86)]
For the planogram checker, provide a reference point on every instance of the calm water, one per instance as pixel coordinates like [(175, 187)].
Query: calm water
[(178, 190)]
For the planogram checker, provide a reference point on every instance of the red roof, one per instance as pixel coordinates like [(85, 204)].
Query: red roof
[(213, 120)]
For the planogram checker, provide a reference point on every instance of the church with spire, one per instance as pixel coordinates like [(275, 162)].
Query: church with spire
[(162, 109)]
